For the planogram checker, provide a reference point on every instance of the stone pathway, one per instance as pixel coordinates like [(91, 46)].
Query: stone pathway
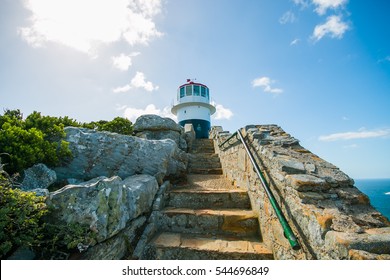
[(207, 217)]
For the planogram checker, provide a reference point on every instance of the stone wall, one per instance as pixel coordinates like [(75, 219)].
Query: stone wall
[(331, 218)]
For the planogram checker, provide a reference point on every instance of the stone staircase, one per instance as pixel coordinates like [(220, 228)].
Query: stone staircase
[(203, 159), (206, 217)]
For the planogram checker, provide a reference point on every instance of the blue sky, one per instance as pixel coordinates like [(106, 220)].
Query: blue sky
[(318, 68)]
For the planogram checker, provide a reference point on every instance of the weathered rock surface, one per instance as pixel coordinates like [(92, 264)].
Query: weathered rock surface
[(38, 176), (109, 154), (104, 205), (154, 127), (120, 245)]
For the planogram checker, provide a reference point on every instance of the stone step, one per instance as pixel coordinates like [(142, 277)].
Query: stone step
[(209, 198), (205, 151), (233, 222), (200, 142), (206, 182), (204, 165), (204, 156), (203, 146), (178, 246), (204, 171)]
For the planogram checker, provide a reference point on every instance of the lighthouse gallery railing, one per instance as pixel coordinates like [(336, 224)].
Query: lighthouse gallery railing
[(288, 233)]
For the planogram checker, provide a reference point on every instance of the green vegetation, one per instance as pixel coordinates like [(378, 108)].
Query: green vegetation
[(117, 125), (61, 239), (40, 139), (20, 219), (24, 223)]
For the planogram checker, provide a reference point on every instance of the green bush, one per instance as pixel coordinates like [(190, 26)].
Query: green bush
[(36, 140), (23, 223), (20, 219), (60, 240), (117, 125)]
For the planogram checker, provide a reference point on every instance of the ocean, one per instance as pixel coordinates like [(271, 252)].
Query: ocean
[(378, 190)]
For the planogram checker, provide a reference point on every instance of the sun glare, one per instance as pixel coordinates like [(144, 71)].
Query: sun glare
[(84, 24)]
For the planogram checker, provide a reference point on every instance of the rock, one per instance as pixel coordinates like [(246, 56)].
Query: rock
[(304, 182), (338, 244), (109, 154), (291, 166), (154, 127), (119, 246), (40, 192), (155, 123), (363, 255), (310, 167), (38, 176), (343, 223), (104, 205)]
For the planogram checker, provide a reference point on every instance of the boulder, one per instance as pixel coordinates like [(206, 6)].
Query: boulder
[(109, 154), (158, 128), (38, 176), (104, 205), (155, 123)]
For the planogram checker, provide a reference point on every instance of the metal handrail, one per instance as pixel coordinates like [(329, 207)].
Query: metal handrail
[(227, 140), (288, 233)]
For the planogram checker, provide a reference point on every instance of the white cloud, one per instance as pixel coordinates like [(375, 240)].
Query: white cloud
[(265, 83), (323, 5), (287, 17), (84, 25), (294, 42), (137, 82), (334, 27), (123, 61), (125, 88), (133, 113), (222, 113), (361, 134)]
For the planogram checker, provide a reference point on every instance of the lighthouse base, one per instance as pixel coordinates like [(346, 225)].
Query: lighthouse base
[(201, 127)]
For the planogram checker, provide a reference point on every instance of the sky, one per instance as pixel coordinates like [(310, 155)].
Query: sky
[(320, 69)]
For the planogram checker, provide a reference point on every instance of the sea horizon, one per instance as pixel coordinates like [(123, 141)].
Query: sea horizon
[(378, 191)]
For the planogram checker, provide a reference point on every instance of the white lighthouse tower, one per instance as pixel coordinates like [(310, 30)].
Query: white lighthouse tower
[(193, 106)]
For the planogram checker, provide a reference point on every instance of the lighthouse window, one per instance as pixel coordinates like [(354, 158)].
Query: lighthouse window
[(197, 90), (181, 92), (203, 91), (188, 90), (207, 93)]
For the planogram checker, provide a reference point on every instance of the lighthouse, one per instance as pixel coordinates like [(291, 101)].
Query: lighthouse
[(193, 107)]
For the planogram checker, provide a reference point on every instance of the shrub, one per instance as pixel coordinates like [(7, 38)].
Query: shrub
[(38, 139), (117, 125), (20, 219)]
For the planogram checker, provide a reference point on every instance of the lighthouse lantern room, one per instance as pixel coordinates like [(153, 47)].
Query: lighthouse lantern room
[(193, 107)]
